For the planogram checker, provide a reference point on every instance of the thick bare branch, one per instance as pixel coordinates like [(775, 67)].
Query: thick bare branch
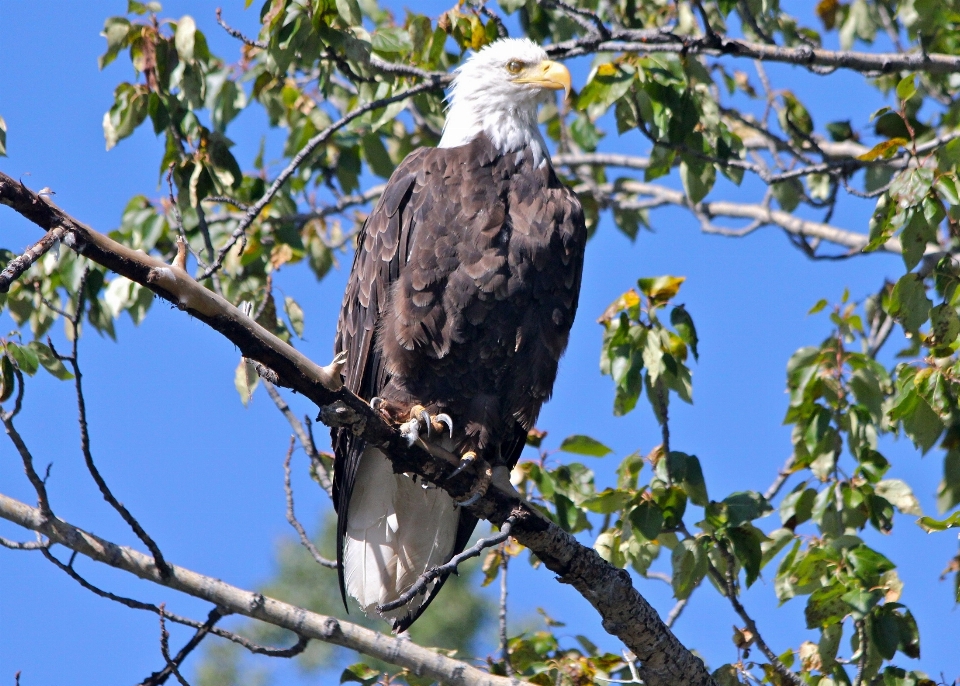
[(647, 41), (626, 614), (400, 652)]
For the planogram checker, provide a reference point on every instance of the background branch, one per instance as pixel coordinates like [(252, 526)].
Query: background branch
[(397, 651)]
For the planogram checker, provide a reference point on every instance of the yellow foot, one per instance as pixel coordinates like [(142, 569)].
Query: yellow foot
[(421, 421)]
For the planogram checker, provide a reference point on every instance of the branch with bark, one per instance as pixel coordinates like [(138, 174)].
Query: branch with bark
[(398, 651), (625, 613)]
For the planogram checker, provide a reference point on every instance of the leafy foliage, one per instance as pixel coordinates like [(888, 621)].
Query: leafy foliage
[(312, 69)]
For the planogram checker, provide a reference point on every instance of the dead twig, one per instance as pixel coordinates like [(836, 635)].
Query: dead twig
[(292, 518), (420, 585)]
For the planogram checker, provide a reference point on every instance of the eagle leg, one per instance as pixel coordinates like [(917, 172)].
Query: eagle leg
[(484, 476)]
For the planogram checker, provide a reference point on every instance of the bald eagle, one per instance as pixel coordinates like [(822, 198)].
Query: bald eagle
[(458, 308)]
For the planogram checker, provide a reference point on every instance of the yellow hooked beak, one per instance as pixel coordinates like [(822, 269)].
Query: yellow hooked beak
[(547, 74)]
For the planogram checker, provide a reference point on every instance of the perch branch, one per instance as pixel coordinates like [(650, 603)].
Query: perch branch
[(19, 265), (625, 613)]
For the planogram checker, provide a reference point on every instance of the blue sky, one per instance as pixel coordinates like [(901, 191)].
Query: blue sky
[(204, 474)]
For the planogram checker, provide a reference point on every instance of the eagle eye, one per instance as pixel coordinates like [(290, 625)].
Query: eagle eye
[(515, 66)]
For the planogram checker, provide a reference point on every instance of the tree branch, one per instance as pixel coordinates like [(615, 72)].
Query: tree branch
[(625, 613), (292, 518), (653, 41), (160, 678), (450, 567), (400, 652), (19, 265), (254, 210)]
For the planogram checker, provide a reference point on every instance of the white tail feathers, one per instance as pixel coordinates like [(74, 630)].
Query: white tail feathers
[(396, 530)]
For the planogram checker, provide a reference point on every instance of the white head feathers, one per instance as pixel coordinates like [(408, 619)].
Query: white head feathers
[(497, 90)]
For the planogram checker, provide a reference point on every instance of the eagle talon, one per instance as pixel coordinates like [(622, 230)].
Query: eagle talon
[(484, 476), (425, 419), (444, 419), (468, 459)]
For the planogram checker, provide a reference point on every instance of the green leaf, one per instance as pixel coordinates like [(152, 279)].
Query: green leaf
[(821, 303), (584, 445), (647, 519), (929, 524), (607, 501), (825, 606), (349, 11), (26, 359), (746, 546), (907, 87), (49, 361), (788, 194), (900, 496), (185, 38), (698, 177), (840, 130), (689, 568), (915, 236), (608, 85), (294, 314), (8, 379), (745, 506), (693, 482), (909, 303), (683, 323), (923, 425), (392, 40), (945, 325), (948, 492), (660, 289), (360, 673)]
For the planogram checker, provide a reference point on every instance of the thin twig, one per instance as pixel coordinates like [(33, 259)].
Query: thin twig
[(304, 435), (239, 234), (105, 491), (22, 545), (591, 21), (504, 644), (420, 584), (39, 485), (19, 265), (729, 583), (236, 33), (165, 648), (676, 611), (160, 678), (292, 518), (782, 475)]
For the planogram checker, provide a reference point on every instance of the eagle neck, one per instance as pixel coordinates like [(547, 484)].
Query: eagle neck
[(512, 129)]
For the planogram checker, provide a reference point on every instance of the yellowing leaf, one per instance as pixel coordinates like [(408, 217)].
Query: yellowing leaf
[(884, 150), (661, 288)]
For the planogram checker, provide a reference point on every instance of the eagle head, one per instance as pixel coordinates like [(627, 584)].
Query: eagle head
[(496, 91)]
